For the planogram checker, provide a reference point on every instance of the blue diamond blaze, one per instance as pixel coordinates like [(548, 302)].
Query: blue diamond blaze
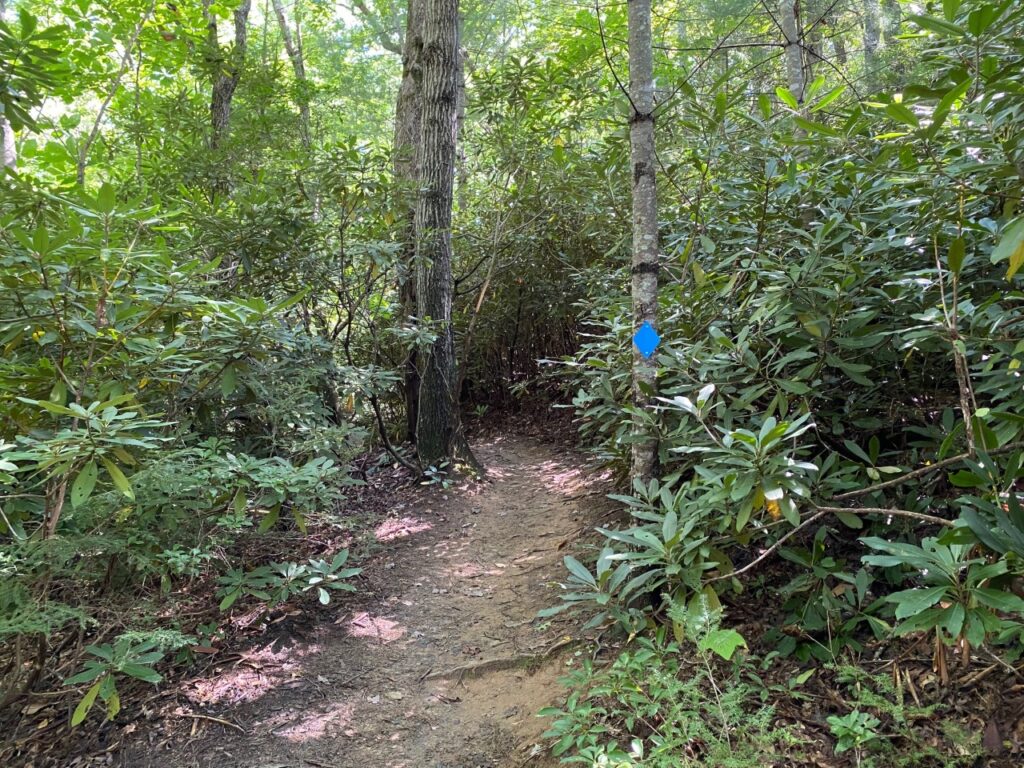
[(646, 339)]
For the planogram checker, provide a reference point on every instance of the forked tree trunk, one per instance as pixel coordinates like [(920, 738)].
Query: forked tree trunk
[(407, 135), (645, 223), (789, 14), (437, 425), (228, 72), (293, 47)]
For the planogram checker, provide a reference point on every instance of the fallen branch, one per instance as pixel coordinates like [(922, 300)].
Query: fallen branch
[(211, 718), (500, 663)]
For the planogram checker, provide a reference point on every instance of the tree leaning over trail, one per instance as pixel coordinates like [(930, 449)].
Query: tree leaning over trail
[(645, 223), (407, 135), (437, 424)]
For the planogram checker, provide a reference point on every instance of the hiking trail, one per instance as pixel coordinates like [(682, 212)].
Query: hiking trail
[(439, 661)]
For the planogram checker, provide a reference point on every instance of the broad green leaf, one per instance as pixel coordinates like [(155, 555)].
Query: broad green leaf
[(82, 710), (911, 602), (118, 478), (723, 642), (577, 569), (938, 26), (1011, 247), (786, 97), (84, 483)]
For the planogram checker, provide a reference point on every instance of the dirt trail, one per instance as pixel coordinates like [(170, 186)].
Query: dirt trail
[(443, 664)]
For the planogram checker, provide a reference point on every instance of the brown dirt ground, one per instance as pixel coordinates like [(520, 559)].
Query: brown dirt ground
[(438, 662)]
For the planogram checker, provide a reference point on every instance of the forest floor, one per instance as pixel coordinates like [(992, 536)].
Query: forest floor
[(439, 661)]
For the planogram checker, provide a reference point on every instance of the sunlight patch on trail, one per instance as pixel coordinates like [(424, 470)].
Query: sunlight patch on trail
[(254, 675), (400, 528), (376, 628)]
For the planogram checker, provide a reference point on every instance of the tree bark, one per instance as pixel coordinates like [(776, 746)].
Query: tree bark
[(789, 14), (229, 71), (10, 153), (872, 34), (407, 135), (10, 150), (293, 47), (893, 19), (645, 263), (437, 424)]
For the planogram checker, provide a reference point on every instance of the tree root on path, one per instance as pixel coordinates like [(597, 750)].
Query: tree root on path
[(501, 663)]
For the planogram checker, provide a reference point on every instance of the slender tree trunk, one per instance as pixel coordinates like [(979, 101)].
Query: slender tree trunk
[(872, 33), (893, 19), (10, 153), (437, 426), (645, 222), (229, 71), (789, 14), (293, 47), (407, 135), (838, 44)]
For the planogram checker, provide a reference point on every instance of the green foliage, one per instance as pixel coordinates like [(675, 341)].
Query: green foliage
[(854, 731), (279, 582), (955, 601), (108, 662), (648, 709)]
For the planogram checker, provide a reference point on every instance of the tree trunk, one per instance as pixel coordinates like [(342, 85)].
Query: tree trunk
[(293, 47), (645, 223), (437, 425), (789, 14), (872, 33), (10, 153), (407, 135), (893, 19), (229, 71)]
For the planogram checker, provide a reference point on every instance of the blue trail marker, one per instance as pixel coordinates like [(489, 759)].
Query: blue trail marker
[(646, 339)]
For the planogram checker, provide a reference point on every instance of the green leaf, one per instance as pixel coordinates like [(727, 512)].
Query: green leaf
[(911, 602), (850, 520), (85, 704), (999, 600), (902, 113), (938, 26), (106, 199), (814, 127), (229, 381), (229, 599), (786, 97), (118, 478), (82, 488), (238, 503), (577, 569), (1011, 248), (723, 642), (955, 258), (142, 673)]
